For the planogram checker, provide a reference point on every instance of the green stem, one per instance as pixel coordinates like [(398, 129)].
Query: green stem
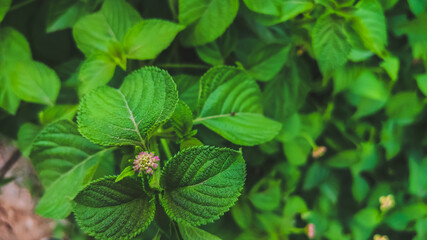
[(19, 5), (309, 140), (166, 149), (183, 65), (172, 7)]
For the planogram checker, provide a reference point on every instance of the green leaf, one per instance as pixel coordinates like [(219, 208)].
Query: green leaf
[(188, 88), (391, 66), (216, 52), (202, 183), (359, 188), (205, 20), (232, 107), (35, 82), (369, 22), (57, 112), (330, 44), (65, 162), (391, 138), (417, 6), (127, 172), (345, 76), (269, 7), (120, 16), (364, 222), (422, 83), (114, 210), (93, 35), (95, 71), (403, 107), (266, 62), (189, 232), (417, 176), (265, 195), (26, 135), (293, 206), (344, 159), (182, 120), (64, 14), (242, 214), (4, 7), (149, 38), (13, 45), (316, 174), (125, 116), (9, 101), (368, 93)]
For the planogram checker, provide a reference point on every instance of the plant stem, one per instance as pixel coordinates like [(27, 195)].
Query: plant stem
[(172, 7), (12, 160), (19, 5), (166, 149), (183, 65)]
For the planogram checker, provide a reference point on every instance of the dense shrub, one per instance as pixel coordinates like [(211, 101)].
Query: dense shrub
[(152, 119)]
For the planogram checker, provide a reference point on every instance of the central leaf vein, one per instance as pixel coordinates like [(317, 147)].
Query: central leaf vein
[(132, 118)]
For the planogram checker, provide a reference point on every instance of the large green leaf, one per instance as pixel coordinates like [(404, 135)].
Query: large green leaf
[(120, 16), (206, 20), (95, 71), (114, 210), (65, 161), (370, 24), (125, 116), (149, 38), (202, 183), (35, 82), (330, 44), (13, 45), (232, 107)]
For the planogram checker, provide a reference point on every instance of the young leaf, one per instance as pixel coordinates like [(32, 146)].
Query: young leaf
[(120, 16), (391, 66), (330, 44), (95, 71), (182, 120), (202, 183), (232, 107), (9, 101), (114, 210), (4, 7), (149, 38), (57, 112), (35, 82), (370, 24), (268, 7), (422, 83), (403, 107), (125, 116), (268, 198), (26, 135), (205, 20), (65, 162), (189, 232), (13, 45)]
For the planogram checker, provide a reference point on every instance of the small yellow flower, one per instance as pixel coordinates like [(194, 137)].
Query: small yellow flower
[(387, 202), (379, 237)]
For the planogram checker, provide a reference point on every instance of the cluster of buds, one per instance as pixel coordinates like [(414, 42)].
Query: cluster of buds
[(387, 202), (379, 237), (319, 151), (310, 231), (145, 162)]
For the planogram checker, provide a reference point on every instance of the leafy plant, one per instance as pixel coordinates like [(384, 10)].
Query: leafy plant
[(152, 119)]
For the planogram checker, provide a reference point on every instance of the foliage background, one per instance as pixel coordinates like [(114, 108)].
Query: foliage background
[(349, 75)]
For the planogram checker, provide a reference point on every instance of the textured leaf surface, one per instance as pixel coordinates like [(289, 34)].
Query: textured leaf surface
[(62, 159), (232, 107), (202, 183), (114, 210), (35, 82), (370, 24), (206, 20), (124, 116), (330, 43)]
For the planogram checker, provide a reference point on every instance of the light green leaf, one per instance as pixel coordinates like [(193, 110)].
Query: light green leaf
[(9, 101), (202, 183), (287, 9), (364, 222), (359, 188), (120, 16), (35, 82), (13, 45), (403, 107), (93, 34), (205, 20), (294, 205), (369, 23), (182, 120), (391, 66), (233, 107), (422, 83), (95, 71), (345, 76), (391, 138), (265, 63), (125, 116), (64, 14), (189, 232), (269, 7), (417, 6), (65, 162), (26, 135), (149, 38), (296, 151), (268, 198), (242, 214), (114, 210), (127, 172), (57, 112), (417, 177), (330, 43), (4, 7)]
